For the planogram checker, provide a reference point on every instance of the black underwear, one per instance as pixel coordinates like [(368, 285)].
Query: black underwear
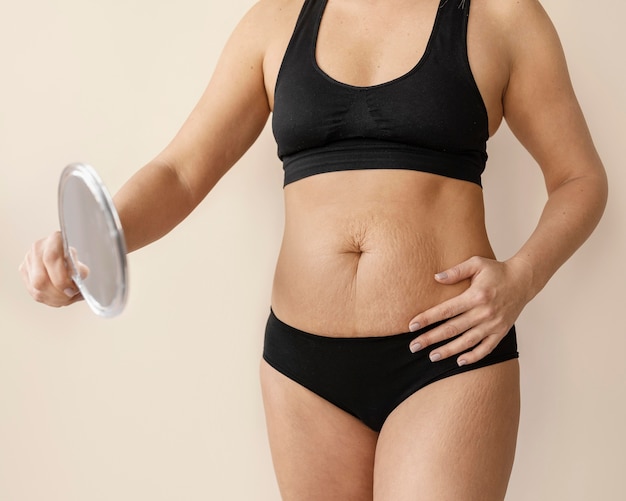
[(366, 377)]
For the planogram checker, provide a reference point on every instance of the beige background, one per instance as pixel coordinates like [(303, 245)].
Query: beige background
[(163, 402)]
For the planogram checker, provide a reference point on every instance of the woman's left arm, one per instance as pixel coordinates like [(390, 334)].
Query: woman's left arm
[(542, 111)]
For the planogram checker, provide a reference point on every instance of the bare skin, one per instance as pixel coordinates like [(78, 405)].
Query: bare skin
[(361, 249)]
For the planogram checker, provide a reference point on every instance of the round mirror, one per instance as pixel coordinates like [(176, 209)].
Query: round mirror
[(93, 238)]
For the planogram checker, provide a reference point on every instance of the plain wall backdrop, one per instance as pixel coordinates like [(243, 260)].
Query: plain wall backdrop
[(163, 402)]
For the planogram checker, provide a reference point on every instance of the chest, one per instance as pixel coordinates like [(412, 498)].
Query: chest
[(367, 44), (434, 104), (368, 49)]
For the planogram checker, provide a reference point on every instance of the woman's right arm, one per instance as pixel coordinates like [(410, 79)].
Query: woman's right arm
[(223, 125)]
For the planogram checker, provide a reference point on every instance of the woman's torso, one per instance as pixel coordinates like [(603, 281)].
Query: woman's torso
[(361, 247)]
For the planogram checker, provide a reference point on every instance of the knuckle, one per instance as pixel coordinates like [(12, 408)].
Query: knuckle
[(38, 295), (38, 246), (470, 341), (455, 271), (489, 347), (447, 311), (33, 251), (429, 320), (51, 255), (431, 337), (481, 351), (450, 330), (483, 296), (38, 282), (489, 312), (475, 260)]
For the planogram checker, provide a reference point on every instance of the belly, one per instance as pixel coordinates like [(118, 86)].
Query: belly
[(361, 248)]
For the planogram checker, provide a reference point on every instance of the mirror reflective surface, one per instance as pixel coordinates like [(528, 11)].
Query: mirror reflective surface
[(93, 237)]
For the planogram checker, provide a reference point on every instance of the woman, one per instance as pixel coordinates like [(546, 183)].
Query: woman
[(390, 364)]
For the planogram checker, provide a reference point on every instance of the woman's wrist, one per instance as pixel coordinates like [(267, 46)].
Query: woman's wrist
[(526, 275)]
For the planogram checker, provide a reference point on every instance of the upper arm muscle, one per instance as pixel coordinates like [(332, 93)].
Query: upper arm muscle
[(230, 114), (539, 103)]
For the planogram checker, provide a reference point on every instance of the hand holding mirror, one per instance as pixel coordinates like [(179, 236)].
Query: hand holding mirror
[(93, 238)]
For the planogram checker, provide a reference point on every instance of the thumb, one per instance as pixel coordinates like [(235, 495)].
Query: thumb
[(81, 268), (459, 272)]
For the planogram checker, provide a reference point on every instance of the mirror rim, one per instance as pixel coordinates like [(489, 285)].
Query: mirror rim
[(88, 175)]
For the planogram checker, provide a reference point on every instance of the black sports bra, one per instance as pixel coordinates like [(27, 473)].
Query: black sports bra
[(432, 119)]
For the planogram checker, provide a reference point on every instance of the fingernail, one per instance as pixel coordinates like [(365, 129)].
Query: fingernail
[(70, 292), (415, 347), (435, 357), (462, 362), (415, 326), (441, 276)]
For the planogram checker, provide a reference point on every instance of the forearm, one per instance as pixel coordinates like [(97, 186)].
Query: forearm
[(571, 213), (151, 203)]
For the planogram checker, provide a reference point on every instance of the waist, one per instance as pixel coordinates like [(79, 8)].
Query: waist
[(361, 248)]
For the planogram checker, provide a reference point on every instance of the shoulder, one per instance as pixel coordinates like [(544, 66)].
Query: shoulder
[(260, 26), (520, 36), (511, 13), (519, 27), (267, 16)]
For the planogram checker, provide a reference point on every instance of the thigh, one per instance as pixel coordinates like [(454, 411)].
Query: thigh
[(320, 452), (454, 439)]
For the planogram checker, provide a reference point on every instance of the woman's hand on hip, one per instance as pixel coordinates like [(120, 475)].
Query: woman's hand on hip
[(46, 274), (479, 317)]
